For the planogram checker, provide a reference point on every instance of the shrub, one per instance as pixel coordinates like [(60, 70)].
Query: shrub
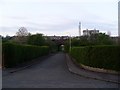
[(107, 57), (14, 54)]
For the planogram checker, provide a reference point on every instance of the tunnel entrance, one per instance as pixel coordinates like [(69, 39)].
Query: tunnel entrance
[(60, 47), (59, 41)]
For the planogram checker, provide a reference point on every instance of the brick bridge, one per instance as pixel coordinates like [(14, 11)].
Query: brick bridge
[(59, 40)]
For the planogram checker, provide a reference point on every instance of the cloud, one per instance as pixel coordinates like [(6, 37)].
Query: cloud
[(51, 17), (58, 1), (8, 31), (17, 17)]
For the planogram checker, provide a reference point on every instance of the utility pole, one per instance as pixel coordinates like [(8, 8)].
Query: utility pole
[(79, 29), (70, 43), (119, 18)]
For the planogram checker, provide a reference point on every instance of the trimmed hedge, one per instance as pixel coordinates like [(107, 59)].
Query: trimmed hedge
[(14, 54), (107, 57)]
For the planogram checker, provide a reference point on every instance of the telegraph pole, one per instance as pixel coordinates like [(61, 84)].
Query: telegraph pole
[(79, 29), (119, 18)]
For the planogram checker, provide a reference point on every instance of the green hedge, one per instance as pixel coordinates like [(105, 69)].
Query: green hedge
[(107, 57), (14, 54)]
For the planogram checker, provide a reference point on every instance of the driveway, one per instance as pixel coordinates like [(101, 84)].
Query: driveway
[(52, 72)]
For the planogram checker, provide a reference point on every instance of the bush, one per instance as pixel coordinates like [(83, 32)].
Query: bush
[(107, 57), (14, 54)]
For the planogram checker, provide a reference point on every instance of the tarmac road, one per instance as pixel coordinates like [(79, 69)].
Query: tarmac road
[(52, 72)]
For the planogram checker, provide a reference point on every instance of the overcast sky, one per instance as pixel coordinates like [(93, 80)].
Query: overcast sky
[(58, 17)]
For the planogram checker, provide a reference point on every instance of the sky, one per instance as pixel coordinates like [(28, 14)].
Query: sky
[(58, 17)]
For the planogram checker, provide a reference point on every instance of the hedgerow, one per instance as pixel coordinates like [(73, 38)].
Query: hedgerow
[(107, 57), (14, 54)]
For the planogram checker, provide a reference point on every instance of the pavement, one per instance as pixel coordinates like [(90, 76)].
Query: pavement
[(79, 70), (0, 79), (50, 72)]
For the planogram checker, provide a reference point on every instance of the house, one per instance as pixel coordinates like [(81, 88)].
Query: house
[(90, 32)]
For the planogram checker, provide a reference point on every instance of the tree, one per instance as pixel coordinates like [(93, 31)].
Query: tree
[(52, 44), (84, 41), (93, 39), (21, 36), (100, 39), (6, 39), (118, 40), (36, 39), (22, 32), (75, 42)]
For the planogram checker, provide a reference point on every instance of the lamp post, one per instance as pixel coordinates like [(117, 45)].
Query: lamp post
[(70, 43), (68, 33)]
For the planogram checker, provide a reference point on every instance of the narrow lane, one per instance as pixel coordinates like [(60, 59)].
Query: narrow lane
[(51, 73)]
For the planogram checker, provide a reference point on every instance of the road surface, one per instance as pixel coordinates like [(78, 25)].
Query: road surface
[(51, 73)]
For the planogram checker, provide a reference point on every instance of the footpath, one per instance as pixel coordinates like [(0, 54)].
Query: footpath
[(79, 70)]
